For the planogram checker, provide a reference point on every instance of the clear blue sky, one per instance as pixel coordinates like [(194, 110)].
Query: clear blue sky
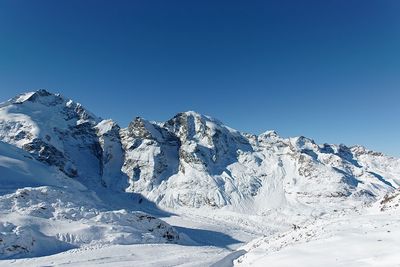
[(329, 70)]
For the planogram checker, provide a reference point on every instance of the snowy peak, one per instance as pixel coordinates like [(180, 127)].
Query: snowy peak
[(57, 104), (303, 142), (141, 128), (189, 125), (55, 130), (361, 150), (193, 160), (40, 96), (193, 127), (107, 127), (269, 135)]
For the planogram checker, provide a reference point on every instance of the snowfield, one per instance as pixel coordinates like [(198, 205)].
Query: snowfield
[(78, 190), (41, 220), (370, 237)]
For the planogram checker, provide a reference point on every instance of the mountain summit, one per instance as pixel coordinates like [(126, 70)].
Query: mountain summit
[(193, 160)]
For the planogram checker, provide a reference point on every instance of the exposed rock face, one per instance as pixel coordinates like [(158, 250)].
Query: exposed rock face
[(193, 160), (112, 155), (151, 154), (205, 142), (47, 153)]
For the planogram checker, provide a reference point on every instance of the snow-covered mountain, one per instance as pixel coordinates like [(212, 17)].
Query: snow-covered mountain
[(197, 161), (192, 160), (56, 161), (59, 161)]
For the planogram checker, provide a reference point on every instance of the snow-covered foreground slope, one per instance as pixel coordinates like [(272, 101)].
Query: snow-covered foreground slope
[(70, 181), (42, 211), (369, 237), (150, 255)]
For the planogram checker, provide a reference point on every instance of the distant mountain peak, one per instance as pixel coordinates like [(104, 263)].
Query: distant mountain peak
[(269, 134), (41, 96)]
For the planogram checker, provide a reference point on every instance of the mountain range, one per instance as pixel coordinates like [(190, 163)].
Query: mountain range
[(71, 179)]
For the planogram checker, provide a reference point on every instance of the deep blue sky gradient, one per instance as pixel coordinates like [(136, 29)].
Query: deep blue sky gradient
[(329, 70)]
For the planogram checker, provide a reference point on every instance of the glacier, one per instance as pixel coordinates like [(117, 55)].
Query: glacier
[(71, 181)]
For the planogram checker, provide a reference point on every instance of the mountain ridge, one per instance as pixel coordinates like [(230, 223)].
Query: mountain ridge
[(32, 95), (160, 159)]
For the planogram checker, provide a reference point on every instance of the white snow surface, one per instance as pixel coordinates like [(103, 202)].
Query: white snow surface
[(43, 212), (368, 237), (79, 190)]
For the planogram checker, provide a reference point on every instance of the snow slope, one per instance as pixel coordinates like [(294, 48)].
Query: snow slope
[(367, 237), (70, 179), (43, 211)]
